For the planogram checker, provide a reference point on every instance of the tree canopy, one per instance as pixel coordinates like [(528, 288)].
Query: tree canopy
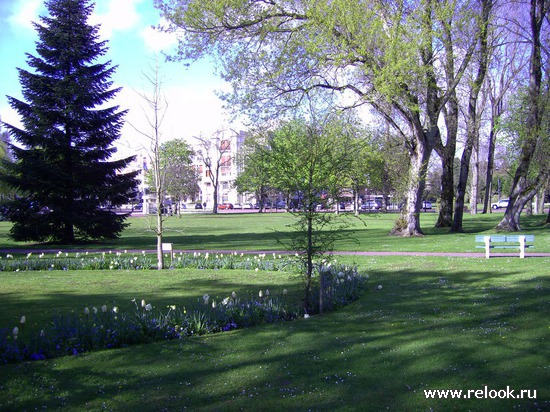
[(311, 161), (387, 55), (415, 63), (177, 171)]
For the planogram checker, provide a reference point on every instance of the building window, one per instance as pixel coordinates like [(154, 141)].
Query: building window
[(225, 145), (225, 163)]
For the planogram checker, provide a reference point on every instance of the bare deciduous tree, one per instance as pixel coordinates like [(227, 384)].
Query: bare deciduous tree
[(154, 113)]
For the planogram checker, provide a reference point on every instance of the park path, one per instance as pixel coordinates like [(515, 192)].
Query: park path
[(4, 251), (363, 253)]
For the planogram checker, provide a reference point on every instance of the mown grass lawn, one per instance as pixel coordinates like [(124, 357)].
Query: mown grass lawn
[(269, 231), (436, 323)]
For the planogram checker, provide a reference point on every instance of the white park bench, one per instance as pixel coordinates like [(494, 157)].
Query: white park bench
[(505, 242)]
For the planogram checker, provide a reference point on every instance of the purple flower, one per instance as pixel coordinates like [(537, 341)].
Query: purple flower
[(37, 356)]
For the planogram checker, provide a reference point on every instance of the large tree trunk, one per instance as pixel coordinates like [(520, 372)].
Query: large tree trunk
[(425, 136), (309, 264), (68, 233), (520, 191), (461, 188), (215, 195), (447, 152), (420, 157), (510, 220), (447, 155), (68, 224), (445, 217), (473, 124), (500, 82), (490, 161), (474, 187)]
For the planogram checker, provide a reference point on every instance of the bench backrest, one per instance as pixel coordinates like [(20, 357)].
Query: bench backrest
[(505, 238)]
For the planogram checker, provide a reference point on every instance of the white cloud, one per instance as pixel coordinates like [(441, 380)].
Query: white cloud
[(113, 15), (10, 116), (191, 111), (116, 15), (24, 13), (156, 40)]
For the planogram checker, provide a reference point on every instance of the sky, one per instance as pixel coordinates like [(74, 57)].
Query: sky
[(193, 106)]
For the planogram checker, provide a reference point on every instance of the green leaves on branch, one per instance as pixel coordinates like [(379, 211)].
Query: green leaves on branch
[(179, 177)]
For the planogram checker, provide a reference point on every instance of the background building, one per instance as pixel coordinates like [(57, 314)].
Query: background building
[(215, 159)]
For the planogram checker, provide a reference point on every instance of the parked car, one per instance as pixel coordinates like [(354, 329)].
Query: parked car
[(248, 206), (370, 205), (237, 206), (198, 206), (426, 205), (502, 203), (280, 205), (225, 206)]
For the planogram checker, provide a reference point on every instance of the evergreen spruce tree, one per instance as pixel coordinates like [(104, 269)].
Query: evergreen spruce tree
[(61, 169)]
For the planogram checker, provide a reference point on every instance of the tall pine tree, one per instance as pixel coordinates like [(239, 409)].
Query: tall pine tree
[(61, 169)]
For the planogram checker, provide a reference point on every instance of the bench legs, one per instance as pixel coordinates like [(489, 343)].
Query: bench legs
[(487, 240), (522, 247)]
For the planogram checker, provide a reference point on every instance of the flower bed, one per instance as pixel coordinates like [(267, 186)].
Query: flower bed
[(143, 261), (107, 327)]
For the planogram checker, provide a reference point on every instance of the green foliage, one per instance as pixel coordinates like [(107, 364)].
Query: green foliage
[(179, 177), (311, 162), (61, 169), (390, 55), (253, 160), (277, 52), (367, 168), (516, 131)]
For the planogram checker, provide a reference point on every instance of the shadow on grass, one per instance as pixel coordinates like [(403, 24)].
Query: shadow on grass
[(172, 288), (425, 329)]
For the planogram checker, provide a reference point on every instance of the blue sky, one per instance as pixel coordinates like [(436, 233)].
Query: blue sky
[(193, 107)]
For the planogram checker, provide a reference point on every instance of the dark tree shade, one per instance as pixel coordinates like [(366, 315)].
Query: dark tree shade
[(61, 169)]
